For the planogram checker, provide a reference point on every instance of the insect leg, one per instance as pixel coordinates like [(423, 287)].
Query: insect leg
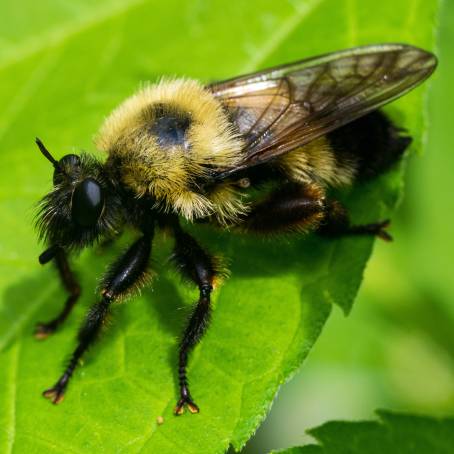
[(197, 265), (304, 208), (337, 223), (291, 208), (126, 274), (43, 330)]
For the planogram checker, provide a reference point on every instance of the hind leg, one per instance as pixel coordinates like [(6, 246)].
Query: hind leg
[(304, 208), (198, 266), (291, 208)]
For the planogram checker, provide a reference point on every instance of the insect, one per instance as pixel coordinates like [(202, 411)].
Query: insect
[(258, 153)]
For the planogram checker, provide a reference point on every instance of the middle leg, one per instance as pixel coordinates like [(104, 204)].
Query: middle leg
[(196, 265)]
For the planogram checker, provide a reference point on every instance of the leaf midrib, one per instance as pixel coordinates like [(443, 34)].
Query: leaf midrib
[(276, 40)]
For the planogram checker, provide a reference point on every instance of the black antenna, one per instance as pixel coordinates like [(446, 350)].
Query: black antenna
[(47, 154)]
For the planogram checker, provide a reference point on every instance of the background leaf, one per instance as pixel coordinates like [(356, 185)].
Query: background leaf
[(395, 434), (62, 69)]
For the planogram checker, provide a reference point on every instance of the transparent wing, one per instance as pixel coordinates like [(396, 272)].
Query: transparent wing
[(282, 108)]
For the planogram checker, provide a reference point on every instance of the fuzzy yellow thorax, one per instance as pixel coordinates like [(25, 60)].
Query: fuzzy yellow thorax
[(173, 175)]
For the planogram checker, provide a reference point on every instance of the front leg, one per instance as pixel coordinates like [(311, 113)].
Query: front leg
[(198, 266), (125, 275), (70, 283)]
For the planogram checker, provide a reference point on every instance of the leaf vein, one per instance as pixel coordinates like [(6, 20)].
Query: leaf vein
[(13, 396), (281, 35)]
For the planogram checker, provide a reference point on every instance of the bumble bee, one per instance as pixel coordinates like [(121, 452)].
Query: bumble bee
[(257, 153)]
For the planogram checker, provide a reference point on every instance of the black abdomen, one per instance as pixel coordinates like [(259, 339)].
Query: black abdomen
[(372, 143)]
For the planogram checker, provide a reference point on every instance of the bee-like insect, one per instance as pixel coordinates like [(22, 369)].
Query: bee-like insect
[(257, 153)]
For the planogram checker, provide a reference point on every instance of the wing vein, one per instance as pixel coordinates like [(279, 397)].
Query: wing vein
[(283, 108)]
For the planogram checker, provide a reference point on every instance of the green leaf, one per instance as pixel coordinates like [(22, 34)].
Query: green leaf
[(63, 67), (395, 433)]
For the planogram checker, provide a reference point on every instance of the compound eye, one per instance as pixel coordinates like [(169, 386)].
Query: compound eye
[(69, 163), (87, 202)]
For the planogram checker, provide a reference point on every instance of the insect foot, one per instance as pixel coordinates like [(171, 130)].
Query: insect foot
[(185, 400), (381, 232), (44, 330), (57, 392), (377, 229)]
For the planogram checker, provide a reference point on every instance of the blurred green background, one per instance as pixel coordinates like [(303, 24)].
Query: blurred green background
[(396, 349)]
